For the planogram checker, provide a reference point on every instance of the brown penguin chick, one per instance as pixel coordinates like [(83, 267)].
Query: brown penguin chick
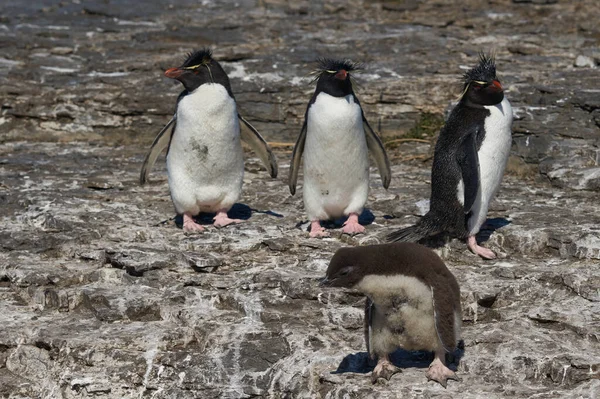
[(413, 302)]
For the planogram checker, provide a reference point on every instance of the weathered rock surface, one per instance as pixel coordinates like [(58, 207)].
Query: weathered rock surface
[(101, 295)]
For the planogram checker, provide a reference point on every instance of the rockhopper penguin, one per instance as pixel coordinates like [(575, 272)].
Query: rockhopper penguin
[(205, 160), (335, 139), (469, 160), (413, 302)]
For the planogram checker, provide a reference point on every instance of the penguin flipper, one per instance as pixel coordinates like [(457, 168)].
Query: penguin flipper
[(443, 315), (161, 142), (252, 137), (369, 310), (378, 151), (296, 158), (468, 160)]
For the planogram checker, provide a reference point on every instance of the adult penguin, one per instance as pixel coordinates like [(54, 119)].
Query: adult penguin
[(205, 160), (469, 161), (336, 140)]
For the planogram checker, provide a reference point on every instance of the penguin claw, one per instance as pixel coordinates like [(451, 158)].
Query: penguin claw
[(384, 370), (351, 226), (485, 253), (317, 231), (440, 373), (321, 233), (222, 220), (190, 226), (226, 222)]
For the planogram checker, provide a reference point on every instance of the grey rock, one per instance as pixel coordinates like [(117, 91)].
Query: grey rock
[(102, 295), (536, 1), (583, 61), (29, 362), (404, 5), (281, 244)]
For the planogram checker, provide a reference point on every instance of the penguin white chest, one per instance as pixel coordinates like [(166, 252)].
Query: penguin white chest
[(336, 163), (493, 156), (205, 161), (495, 147), (404, 314)]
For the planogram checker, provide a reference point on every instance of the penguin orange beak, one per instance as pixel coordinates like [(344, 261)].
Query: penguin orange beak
[(341, 75), (173, 73), (496, 85)]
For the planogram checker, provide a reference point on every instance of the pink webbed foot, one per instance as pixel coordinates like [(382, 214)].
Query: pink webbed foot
[(351, 226), (439, 372), (222, 220), (316, 230), (189, 225), (384, 369), (479, 250)]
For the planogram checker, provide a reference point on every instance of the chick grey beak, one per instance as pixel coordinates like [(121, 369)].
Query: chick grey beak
[(324, 283)]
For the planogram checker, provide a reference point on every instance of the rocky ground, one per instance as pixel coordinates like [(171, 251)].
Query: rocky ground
[(103, 296)]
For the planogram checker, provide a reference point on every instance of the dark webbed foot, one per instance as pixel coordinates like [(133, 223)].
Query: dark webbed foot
[(384, 369)]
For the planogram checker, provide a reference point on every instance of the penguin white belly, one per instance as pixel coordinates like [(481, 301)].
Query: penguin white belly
[(404, 319), (205, 162), (493, 156), (336, 159)]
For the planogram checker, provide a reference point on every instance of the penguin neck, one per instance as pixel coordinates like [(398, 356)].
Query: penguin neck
[(334, 87), (468, 103)]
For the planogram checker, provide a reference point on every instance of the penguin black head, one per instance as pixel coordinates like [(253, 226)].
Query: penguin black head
[(199, 68), (481, 85), (345, 269), (333, 76)]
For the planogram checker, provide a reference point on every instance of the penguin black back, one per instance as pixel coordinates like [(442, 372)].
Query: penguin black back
[(200, 68)]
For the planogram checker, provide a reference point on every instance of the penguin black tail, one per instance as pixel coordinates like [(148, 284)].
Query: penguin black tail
[(413, 233)]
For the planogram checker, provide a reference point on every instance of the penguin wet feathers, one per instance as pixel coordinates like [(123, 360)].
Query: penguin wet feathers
[(413, 302), (204, 154), (469, 161), (335, 140)]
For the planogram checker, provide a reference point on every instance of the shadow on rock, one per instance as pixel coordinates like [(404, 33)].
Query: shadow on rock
[(237, 211), (269, 213), (365, 218), (490, 226), (362, 364)]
